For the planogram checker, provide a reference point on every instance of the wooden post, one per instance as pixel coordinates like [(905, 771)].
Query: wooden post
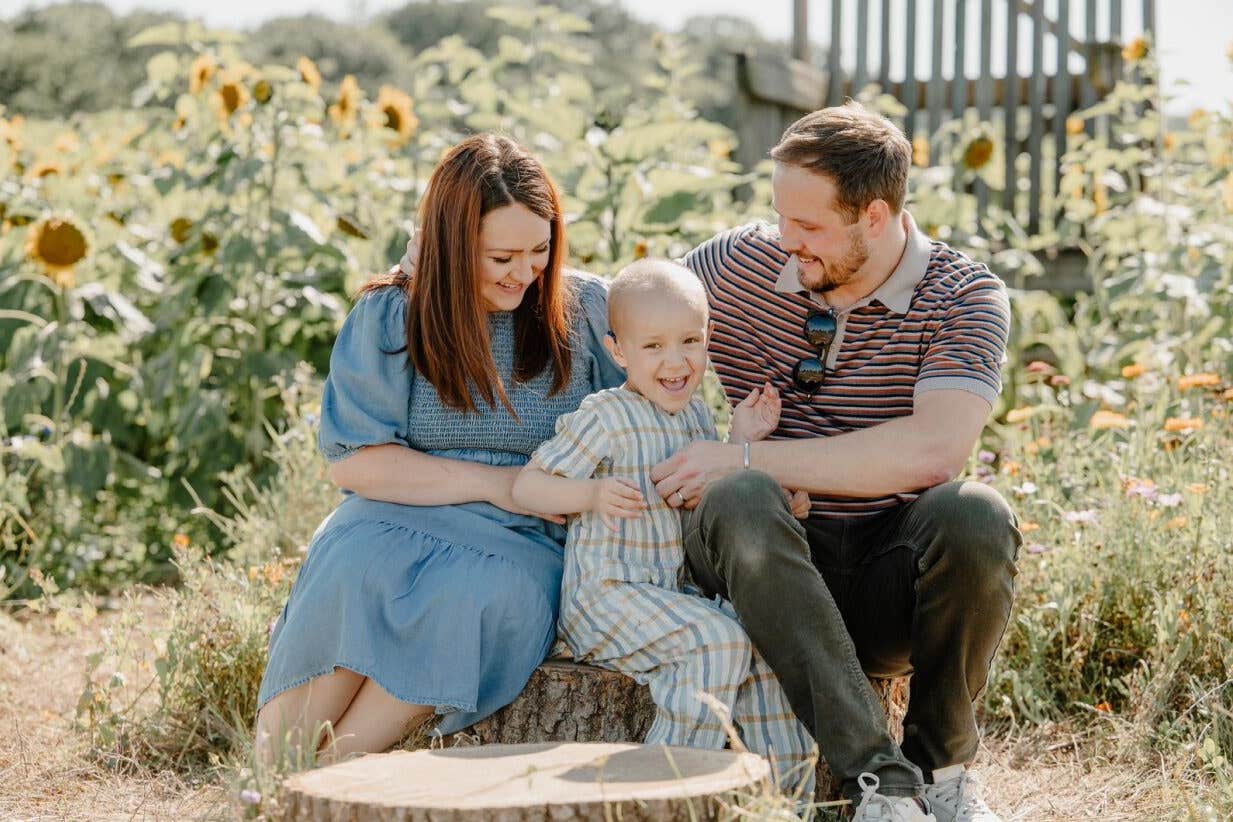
[(800, 30)]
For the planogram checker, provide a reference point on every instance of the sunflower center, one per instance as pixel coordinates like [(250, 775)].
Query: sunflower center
[(61, 243)]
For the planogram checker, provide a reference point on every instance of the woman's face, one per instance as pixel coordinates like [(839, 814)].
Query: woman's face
[(514, 253)]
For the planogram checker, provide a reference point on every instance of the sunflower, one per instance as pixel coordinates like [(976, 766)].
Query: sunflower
[(209, 244), (9, 133), (344, 112), (978, 153), (201, 72), (1135, 50), (58, 244), (396, 114), (67, 143), (181, 229), (309, 73), (263, 90), (44, 168), (231, 96)]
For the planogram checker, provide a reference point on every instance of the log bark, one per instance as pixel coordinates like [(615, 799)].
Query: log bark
[(568, 702), (526, 783)]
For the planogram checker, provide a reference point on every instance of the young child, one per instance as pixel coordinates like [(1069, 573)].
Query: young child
[(624, 603)]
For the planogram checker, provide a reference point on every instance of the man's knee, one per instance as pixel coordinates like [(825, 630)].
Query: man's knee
[(975, 527), (743, 497)]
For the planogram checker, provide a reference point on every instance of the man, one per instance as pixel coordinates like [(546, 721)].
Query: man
[(886, 348)]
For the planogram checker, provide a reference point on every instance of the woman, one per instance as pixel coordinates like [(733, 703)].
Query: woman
[(428, 590)]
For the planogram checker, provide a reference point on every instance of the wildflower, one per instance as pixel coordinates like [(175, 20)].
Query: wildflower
[(1074, 126), (1176, 524), (1011, 468), (395, 108), (44, 168), (1183, 616), (309, 73), (1104, 707), (640, 250), (1085, 517), (1026, 489), (1133, 371), (1182, 425), (978, 153), (181, 229), (1197, 118), (1169, 500), (1227, 396), (263, 90), (987, 457), (58, 244), (1135, 50), (250, 797), (1170, 142), (1018, 415), (231, 97), (181, 540), (1037, 548), (201, 72), (1100, 196), (1059, 381), (1039, 367), (719, 149), (1028, 527), (1135, 487), (1205, 380), (1104, 420), (67, 143), (1197, 488), (345, 111), (920, 152)]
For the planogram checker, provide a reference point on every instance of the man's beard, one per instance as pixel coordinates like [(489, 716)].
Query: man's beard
[(842, 271)]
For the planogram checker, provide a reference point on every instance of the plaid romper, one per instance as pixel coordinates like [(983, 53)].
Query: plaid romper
[(627, 604)]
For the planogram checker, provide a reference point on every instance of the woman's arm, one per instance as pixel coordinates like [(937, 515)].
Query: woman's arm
[(395, 473), (611, 498)]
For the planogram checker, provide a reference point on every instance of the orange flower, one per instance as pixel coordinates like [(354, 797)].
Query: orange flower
[(1205, 380), (181, 540), (920, 152), (1028, 527), (1074, 126), (1135, 50), (1176, 524), (1018, 415), (1104, 420), (1182, 425), (1197, 488), (1105, 707), (1227, 396), (1133, 371)]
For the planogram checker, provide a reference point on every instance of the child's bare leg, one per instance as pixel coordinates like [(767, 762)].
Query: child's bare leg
[(293, 717), (374, 721)]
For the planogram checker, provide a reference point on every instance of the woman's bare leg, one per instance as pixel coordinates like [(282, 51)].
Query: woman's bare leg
[(293, 717), (374, 721)]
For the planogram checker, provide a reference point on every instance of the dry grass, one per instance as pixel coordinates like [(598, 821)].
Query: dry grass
[(46, 773)]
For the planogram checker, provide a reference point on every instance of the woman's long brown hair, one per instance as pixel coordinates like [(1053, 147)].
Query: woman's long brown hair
[(447, 325)]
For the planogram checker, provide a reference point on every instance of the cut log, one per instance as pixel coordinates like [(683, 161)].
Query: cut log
[(568, 702), (520, 783)]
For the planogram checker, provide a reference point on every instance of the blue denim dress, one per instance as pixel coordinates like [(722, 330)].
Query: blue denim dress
[(453, 605)]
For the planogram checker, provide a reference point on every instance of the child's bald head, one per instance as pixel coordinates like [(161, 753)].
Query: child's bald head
[(652, 281)]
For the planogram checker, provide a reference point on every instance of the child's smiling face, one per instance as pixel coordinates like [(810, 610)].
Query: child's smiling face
[(661, 343)]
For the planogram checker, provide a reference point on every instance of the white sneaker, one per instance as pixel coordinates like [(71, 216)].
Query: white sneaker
[(876, 807), (955, 797)]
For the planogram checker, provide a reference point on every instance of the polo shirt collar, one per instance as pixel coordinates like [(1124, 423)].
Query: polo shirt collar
[(896, 292)]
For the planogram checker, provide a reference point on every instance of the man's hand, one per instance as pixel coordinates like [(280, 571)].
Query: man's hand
[(756, 416), (682, 478), (799, 502), (615, 499)]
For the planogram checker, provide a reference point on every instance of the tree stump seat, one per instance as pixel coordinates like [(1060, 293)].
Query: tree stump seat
[(526, 783), (568, 702)]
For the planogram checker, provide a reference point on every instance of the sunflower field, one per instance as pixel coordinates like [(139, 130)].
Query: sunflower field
[(173, 274)]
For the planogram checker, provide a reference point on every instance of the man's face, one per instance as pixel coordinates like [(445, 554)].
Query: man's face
[(829, 249)]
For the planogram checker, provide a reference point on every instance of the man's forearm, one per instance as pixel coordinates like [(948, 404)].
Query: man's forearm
[(890, 458)]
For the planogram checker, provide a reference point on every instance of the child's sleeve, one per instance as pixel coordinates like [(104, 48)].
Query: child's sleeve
[(581, 443), (706, 420)]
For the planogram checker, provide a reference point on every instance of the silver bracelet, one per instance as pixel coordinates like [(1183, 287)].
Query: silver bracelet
[(746, 455)]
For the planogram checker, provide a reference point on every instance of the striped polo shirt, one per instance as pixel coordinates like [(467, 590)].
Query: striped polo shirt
[(940, 321)]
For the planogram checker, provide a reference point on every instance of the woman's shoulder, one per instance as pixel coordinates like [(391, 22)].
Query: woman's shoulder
[(587, 288), (382, 310)]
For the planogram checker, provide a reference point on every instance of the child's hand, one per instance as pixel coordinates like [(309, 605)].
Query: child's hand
[(798, 501), (616, 498), (756, 416)]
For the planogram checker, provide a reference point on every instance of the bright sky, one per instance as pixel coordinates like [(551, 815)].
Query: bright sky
[(1194, 35)]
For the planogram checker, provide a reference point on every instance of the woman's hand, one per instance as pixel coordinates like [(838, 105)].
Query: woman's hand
[(615, 499), (756, 416), (502, 495)]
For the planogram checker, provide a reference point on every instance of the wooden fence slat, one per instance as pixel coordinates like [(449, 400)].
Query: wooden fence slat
[(884, 46), (1088, 94), (935, 75), (909, 71), (1061, 90), (1011, 110), (984, 87), (1036, 102), (958, 97), (834, 70), (861, 76)]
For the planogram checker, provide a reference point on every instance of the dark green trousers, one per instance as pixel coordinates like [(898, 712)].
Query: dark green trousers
[(923, 589)]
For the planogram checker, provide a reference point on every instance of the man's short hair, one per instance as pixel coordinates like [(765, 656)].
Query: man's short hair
[(863, 153)]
